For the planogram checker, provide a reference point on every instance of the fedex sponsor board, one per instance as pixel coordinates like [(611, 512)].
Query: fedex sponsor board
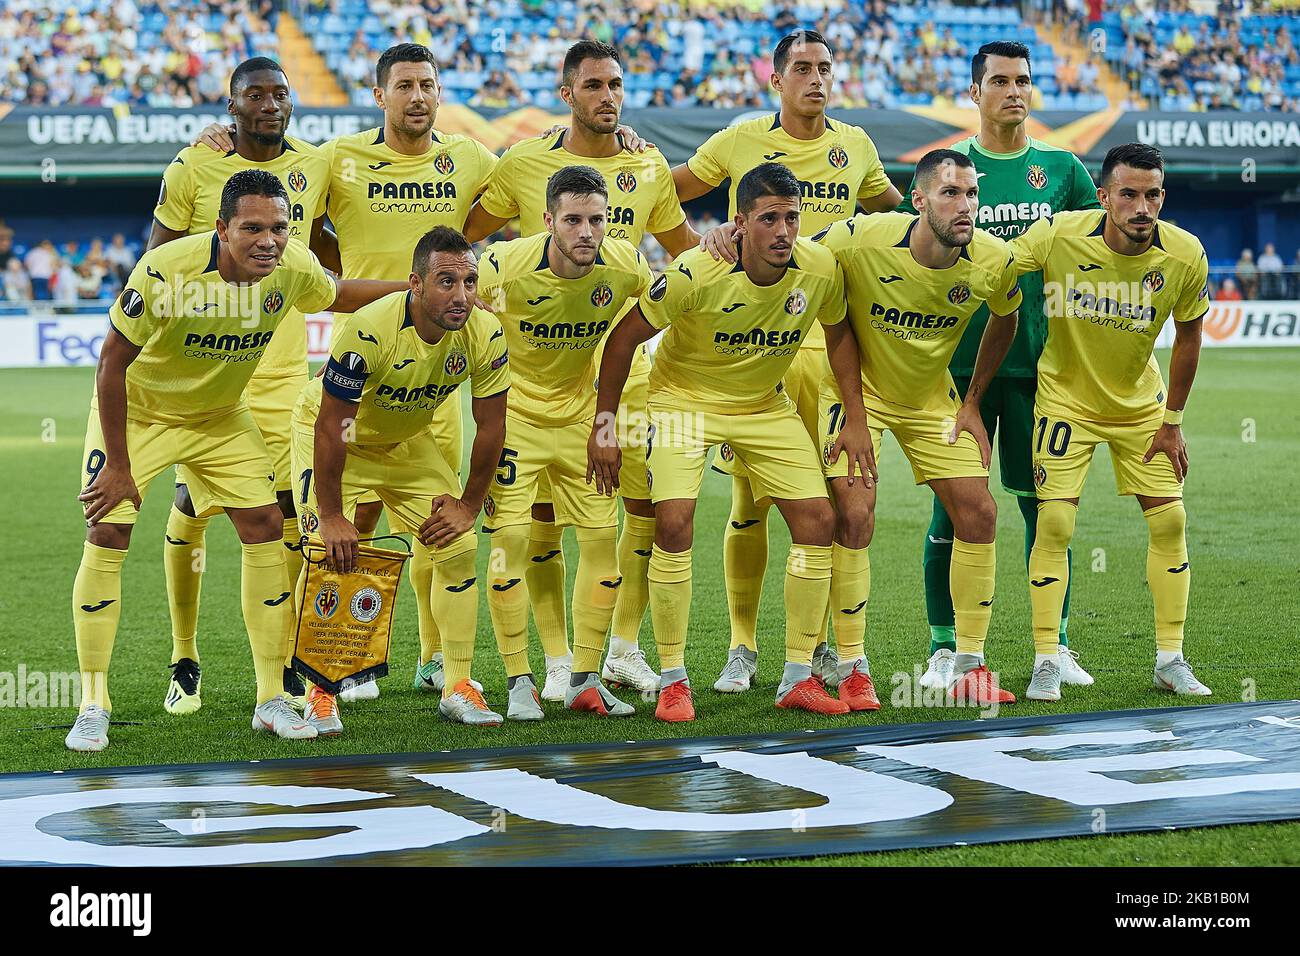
[(39, 340), (47, 340)]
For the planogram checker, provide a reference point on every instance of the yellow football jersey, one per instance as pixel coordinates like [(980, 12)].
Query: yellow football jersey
[(553, 325), (835, 170), (729, 342), (396, 378), (381, 201), (190, 199), (908, 319), (1104, 311), (202, 336), (642, 197)]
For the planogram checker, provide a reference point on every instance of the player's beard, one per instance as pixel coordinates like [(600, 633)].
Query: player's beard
[(268, 139), (945, 233), (569, 251), (597, 124), (1136, 239), (405, 127)]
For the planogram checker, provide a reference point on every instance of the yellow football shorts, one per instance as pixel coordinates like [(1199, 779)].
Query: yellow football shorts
[(1063, 447), (225, 458), (922, 433), (778, 455), (271, 400), (406, 476), (447, 430), (803, 383), (557, 453)]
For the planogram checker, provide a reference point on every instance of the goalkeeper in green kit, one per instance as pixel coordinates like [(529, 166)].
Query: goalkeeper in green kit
[(1021, 180)]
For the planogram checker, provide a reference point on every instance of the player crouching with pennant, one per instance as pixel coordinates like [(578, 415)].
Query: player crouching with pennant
[(364, 427)]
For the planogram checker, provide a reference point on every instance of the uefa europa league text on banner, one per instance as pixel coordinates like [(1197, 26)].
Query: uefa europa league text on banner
[(345, 621)]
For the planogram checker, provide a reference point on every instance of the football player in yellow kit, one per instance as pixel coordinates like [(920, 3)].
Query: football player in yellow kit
[(1112, 277), (557, 294), (913, 283), (188, 202), (642, 201), (387, 187), (839, 171), (732, 333), (363, 428), (186, 335)]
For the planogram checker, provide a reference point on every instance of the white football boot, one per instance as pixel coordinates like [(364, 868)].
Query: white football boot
[(524, 701), (939, 669), (738, 674), (558, 672), (90, 731), (1177, 676), (278, 716), (1046, 682), (1071, 672), (630, 670)]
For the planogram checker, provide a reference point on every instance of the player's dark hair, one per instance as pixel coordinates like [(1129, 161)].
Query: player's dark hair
[(766, 179), (402, 53), (257, 64), (579, 180), (437, 239), (249, 182), (935, 158), (781, 56), (1012, 49), (582, 51), (1134, 155)]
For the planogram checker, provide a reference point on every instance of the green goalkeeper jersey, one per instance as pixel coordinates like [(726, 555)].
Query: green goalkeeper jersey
[(1016, 189)]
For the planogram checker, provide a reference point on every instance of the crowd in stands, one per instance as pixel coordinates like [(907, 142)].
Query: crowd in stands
[(1174, 54), (677, 53), (1194, 55), (1262, 277), (64, 275), (132, 52)]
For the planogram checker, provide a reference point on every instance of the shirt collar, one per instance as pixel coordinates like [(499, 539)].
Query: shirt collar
[(212, 256)]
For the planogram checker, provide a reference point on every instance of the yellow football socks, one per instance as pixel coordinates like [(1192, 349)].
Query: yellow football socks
[(971, 582), (96, 608), (1049, 571), (744, 562), (454, 602), (422, 561), (183, 569), (670, 604), (508, 597), (546, 581), (595, 589), (293, 567), (264, 592), (1168, 572), (850, 591), (634, 547), (807, 591)]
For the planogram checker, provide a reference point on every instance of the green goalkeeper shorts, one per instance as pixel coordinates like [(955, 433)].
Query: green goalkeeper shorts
[(1008, 413)]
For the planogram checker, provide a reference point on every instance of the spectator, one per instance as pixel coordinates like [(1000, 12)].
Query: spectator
[(65, 283), (1089, 75), (1270, 268), (1247, 274), (18, 287), (90, 280), (121, 260), (6, 246), (1228, 291), (40, 264), (1067, 76)]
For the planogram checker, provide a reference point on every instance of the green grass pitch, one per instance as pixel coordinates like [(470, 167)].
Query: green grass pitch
[(1244, 441)]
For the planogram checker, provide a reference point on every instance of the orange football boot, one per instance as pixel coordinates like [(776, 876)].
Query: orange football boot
[(810, 695), (675, 703), (979, 688), (858, 692)]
